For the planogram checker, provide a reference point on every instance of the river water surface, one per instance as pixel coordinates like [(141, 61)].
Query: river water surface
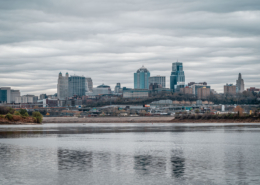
[(66, 154)]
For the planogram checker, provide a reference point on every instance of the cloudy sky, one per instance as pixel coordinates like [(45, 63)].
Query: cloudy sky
[(109, 40)]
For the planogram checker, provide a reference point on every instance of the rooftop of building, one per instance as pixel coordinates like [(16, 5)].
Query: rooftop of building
[(142, 69), (156, 76), (103, 86)]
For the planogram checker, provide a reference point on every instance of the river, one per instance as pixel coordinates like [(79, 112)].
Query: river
[(66, 154)]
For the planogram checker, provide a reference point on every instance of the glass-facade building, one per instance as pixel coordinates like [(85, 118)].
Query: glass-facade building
[(77, 85), (3, 96), (141, 78), (177, 79)]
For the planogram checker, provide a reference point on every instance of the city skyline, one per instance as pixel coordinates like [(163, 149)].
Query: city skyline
[(113, 84), (108, 41)]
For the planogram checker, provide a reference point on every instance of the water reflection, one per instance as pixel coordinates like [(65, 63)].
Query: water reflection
[(73, 160), (188, 155), (177, 164)]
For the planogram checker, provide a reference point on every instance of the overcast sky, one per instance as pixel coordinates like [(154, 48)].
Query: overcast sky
[(108, 40)]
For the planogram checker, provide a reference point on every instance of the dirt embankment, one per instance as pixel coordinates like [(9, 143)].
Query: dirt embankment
[(107, 120), (17, 120)]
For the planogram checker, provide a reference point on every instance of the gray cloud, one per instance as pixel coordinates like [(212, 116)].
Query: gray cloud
[(110, 40)]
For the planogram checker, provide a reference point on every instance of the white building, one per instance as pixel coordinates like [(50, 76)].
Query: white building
[(89, 84), (26, 99), (160, 80), (102, 89), (63, 86), (7, 95)]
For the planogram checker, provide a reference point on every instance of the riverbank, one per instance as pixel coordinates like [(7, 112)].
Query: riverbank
[(107, 120), (18, 120), (142, 120), (215, 121)]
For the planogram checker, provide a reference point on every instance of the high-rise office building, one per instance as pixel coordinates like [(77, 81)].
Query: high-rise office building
[(89, 84), (62, 87), (160, 80), (177, 79), (240, 84), (7, 95), (77, 86), (141, 78)]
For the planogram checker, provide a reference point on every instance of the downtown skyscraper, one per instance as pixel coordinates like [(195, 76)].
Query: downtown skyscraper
[(62, 86), (177, 79), (77, 86), (141, 78), (240, 86)]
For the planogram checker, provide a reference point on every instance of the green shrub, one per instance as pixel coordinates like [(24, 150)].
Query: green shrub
[(2, 116), (23, 112), (26, 114), (17, 113), (9, 116), (37, 117), (11, 110)]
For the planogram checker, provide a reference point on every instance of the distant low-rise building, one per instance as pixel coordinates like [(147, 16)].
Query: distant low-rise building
[(43, 96), (253, 89), (26, 99), (230, 89), (159, 80), (136, 93), (195, 88), (102, 89), (50, 102), (212, 91), (118, 88), (186, 90), (154, 86), (203, 93)]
